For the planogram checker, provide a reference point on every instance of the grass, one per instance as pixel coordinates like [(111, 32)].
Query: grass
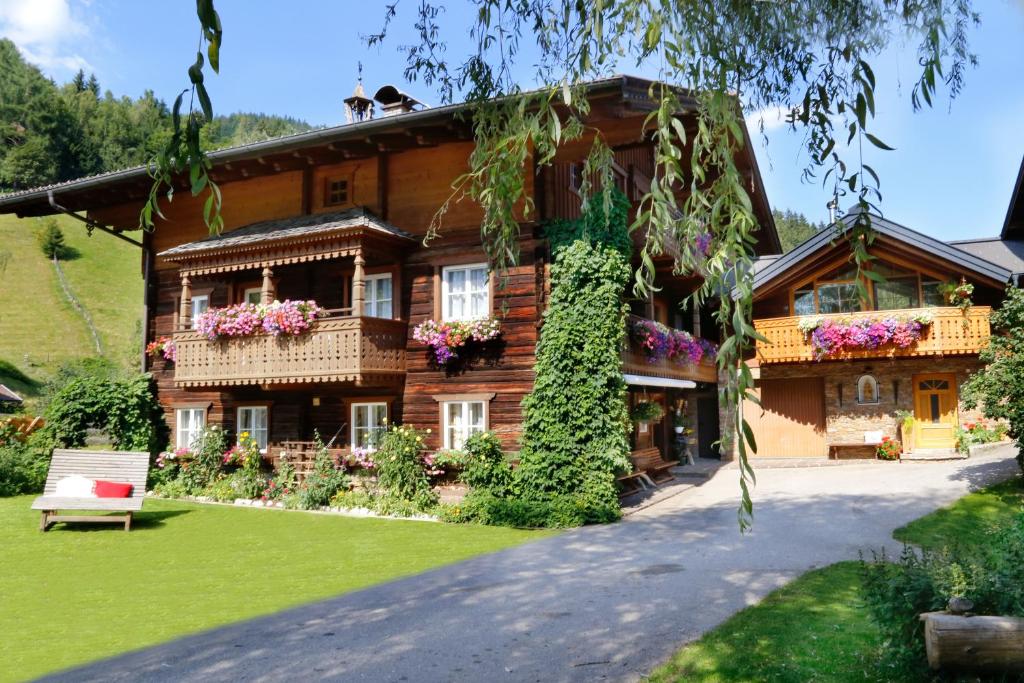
[(188, 567), (816, 628), (38, 328), (965, 520)]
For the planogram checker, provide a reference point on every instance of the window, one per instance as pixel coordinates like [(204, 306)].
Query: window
[(200, 304), (867, 390), (931, 294), (253, 295), (253, 419), (896, 292), (803, 302), (462, 419), (838, 297), (337, 192), (378, 296), (367, 420), (189, 423), (465, 292)]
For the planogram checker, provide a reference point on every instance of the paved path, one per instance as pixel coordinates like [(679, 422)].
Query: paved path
[(603, 603)]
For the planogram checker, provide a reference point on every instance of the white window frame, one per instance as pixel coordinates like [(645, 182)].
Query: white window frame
[(192, 432), (465, 430), (260, 434), (861, 383), (258, 291), (367, 429), (446, 294), (195, 307), (371, 304)]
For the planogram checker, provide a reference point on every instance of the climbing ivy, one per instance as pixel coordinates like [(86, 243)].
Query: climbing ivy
[(598, 225), (575, 423)]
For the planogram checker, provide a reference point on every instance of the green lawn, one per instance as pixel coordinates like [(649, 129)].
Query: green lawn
[(962, 521), (817, 628), (77, 594), (814, 629)]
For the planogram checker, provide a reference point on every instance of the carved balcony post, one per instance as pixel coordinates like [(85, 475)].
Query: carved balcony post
[(185, 311), (358, 284), (267, 290)]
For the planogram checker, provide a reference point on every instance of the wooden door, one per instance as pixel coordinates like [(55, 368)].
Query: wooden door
[(790, 422), (935, 413)]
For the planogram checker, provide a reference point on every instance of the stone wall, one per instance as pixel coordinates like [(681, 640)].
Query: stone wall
[(846, 419)]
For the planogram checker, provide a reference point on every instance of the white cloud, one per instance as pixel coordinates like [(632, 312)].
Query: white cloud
[(772, 117), (46, 32)]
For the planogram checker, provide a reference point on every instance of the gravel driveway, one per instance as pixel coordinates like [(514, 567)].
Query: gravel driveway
[(601, 603)]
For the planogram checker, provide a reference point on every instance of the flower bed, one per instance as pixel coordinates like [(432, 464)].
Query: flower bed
[(660, 342), (830, 337), (446, 339), (241, 320)]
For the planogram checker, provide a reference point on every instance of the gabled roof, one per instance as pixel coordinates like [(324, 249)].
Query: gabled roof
[(963, 259), (1013, 226), (1006, 253), (266, 232)]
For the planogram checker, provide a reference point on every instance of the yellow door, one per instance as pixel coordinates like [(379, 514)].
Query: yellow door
[(935, 414)]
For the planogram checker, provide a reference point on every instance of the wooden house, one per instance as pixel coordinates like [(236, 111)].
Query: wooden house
[(338, 215), (837, 368)]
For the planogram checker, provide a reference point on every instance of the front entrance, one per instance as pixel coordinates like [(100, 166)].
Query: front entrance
[(935, 410)]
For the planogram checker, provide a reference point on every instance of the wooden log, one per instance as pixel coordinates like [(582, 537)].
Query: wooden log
[(983, 643)]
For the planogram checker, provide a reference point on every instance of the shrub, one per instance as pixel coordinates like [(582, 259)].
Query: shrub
[(990, 575), (21, 470), (597, 226), (401, 471), (975, 433), (320, 485), (485, 465), (249, 479), (123, 406), (999, 386), (552, 510)]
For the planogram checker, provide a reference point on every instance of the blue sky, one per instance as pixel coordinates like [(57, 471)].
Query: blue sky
[(950, 176)]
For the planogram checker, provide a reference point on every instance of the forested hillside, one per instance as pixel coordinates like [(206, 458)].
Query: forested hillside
[(51, 132)]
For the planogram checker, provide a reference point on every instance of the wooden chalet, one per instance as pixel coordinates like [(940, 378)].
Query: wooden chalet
[(815, 403), (338, 215)]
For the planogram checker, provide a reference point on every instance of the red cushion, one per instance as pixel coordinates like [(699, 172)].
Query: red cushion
[(112, 489)]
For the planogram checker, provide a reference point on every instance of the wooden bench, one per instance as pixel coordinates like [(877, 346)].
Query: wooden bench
[(633, 482), (120, 466), (649, 461)]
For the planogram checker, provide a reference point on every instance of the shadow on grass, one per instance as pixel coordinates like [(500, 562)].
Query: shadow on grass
[(141, 521), (14, 378)]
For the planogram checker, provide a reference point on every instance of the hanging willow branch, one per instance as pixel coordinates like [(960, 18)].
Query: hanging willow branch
[(810, 59)]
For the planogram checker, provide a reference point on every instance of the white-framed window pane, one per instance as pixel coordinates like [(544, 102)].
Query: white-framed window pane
[(462, 419), (189, 425), (200, 304), (367, 420), (378, 296), (254, 419), (466, 292), (253, 295)]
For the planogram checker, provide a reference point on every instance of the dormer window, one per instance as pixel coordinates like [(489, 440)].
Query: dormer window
[(337, 192)]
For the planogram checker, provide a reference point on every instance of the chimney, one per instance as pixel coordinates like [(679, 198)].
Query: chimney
[(393, 101)]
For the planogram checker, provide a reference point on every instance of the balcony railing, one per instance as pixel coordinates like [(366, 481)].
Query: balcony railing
[(348, 349), (951, 332), (635, 361)]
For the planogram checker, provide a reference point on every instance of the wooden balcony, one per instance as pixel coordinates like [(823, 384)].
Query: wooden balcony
[(951, 333), (636, 362), (362, 350)]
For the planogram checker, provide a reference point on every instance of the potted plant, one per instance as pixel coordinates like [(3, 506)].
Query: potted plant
[(889, 449), (905, 421), (679, 421), (647, 411)]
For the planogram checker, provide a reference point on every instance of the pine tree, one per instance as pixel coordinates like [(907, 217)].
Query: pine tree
[(51, 240)]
